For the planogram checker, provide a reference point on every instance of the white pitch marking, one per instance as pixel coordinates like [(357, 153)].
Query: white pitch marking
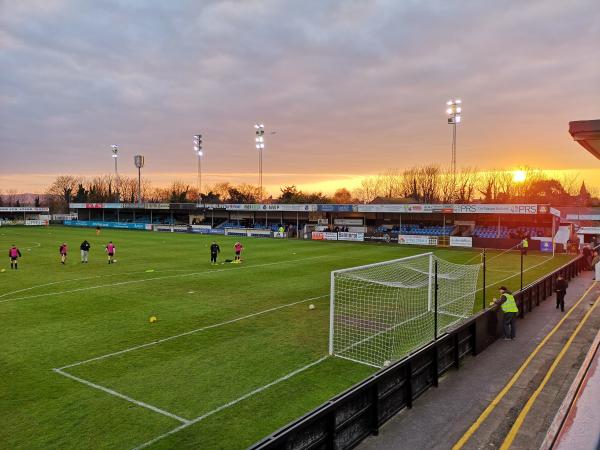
[(68, 281), (121, 283), (197, 330), (231, 403), (122, 396)]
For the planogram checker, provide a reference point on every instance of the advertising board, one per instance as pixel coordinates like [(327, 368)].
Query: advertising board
[(461, 241), (93, 223), (29, 222), (349, 236), (324, 236), (417, 240)]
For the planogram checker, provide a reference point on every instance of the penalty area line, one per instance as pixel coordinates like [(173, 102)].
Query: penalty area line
[(187, 333), (231, 403), (122, 396)]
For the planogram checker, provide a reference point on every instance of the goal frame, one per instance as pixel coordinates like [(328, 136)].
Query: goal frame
[(364, 266)]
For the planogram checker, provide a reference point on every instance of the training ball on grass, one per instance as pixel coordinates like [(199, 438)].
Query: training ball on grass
[(3, 270), (153, 319), (387, 363), (114, 260), (311, 306)]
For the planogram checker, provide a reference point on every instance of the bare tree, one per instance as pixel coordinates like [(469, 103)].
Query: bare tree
[(11, 197), (409, 184), (447, 187), (465, 182), (342, 196), (390, 183), (488, 185), (570, 182), (428, 183), (369, 189), (62, 190)]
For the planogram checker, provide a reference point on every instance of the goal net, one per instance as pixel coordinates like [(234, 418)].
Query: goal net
[(382, 312)]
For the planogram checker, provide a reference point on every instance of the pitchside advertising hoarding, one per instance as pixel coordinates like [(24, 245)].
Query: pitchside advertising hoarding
[(324, 236), (34, 223), (93, 223), (340, 236), (417, 240), (461, 241), (351, 236)]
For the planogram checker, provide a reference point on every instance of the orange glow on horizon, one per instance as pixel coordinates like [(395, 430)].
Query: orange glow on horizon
[(519, 176)]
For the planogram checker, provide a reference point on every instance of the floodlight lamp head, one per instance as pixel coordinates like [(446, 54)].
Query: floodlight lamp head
[(138, 161), (115, 150)]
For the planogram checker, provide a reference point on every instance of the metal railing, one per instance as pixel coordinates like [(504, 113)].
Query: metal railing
[(348, 418)]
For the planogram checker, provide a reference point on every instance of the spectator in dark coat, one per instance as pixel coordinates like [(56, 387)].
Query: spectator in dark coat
[(561, 291)]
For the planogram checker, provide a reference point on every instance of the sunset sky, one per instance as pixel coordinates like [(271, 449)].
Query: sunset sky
[(350, 88)]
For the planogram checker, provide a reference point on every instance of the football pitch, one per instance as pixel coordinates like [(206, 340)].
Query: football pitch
[(235, 354)]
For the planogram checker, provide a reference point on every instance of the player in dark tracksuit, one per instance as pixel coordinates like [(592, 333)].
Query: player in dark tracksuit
[(214, 251)]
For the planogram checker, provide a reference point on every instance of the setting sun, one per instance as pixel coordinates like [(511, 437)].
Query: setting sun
[(519, 176)]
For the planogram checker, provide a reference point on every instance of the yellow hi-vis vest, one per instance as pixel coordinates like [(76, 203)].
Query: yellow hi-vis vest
[(510, 305), (525, 243)]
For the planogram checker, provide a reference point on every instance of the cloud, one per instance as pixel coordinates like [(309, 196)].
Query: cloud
[(350, 87)]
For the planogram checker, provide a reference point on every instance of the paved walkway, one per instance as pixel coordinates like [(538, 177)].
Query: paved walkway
[(440, 417)]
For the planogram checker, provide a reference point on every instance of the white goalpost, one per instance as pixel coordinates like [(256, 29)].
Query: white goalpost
[(381, 312)]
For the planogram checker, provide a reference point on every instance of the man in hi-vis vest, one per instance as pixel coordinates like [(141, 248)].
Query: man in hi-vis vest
[(524, 245), (509, 309)]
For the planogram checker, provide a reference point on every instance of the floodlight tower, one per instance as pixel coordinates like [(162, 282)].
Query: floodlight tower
[(198, 151), (260, 145), (454, 110), (115, 155), (138, 160)]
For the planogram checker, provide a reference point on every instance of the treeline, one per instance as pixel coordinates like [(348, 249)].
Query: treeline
[(422, 184), (430, 184)]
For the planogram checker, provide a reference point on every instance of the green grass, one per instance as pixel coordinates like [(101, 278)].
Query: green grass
[(53, 315)]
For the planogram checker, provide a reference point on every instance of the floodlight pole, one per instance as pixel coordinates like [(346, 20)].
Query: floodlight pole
[(199, 153), (260, 145), (115, 155), (138, 160), (454, 111)]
